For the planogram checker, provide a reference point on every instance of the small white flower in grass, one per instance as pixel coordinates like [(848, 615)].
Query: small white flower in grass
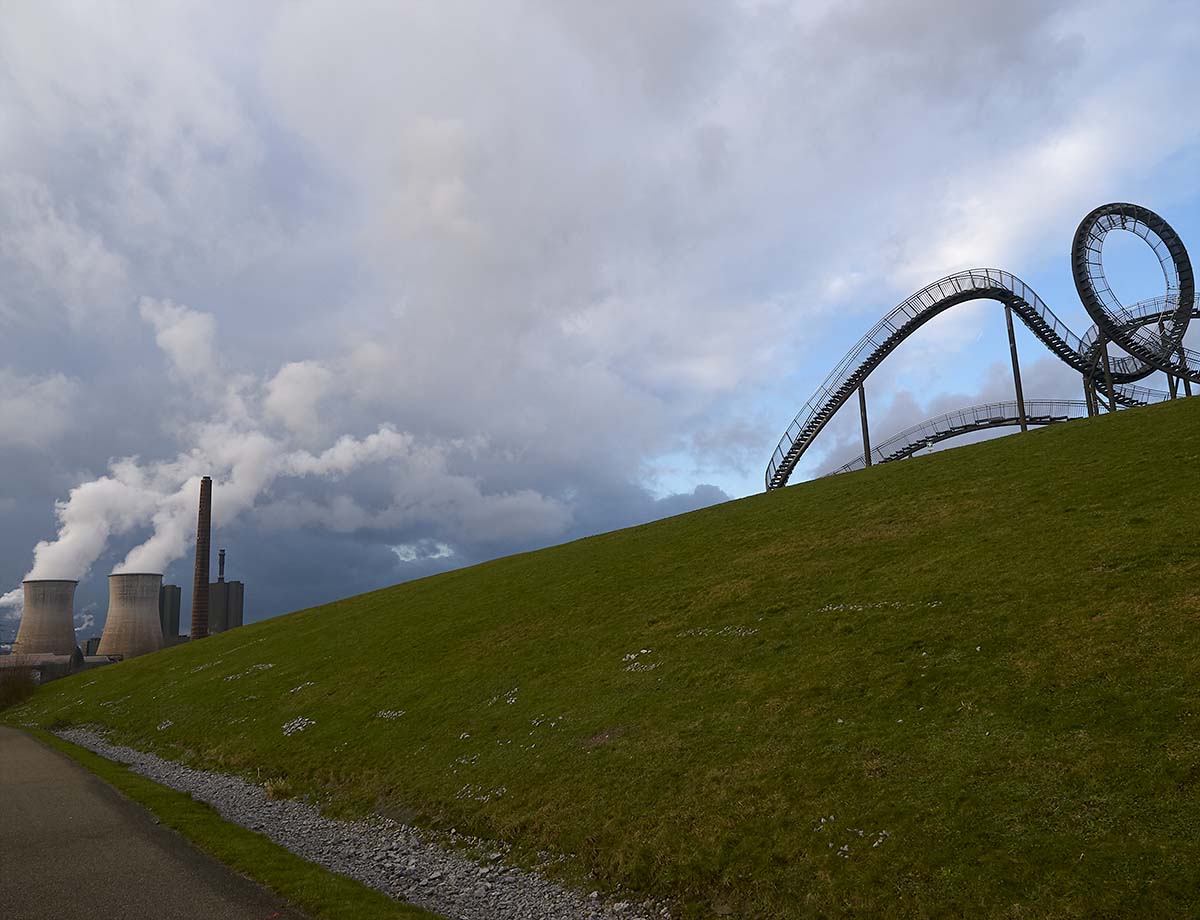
[(479, 794), (706, 631), (299, 724), (979, 648), (509, 698), (464, 736), (250, 670), (640, 666), (163, 726), (390, 714), (307, 683)]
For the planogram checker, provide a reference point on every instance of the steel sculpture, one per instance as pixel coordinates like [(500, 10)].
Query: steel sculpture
[(1150, 332)]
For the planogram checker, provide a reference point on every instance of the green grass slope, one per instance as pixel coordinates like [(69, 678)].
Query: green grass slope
[(963, 685)]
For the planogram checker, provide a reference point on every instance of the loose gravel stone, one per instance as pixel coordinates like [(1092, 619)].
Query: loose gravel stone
[(384, 854)]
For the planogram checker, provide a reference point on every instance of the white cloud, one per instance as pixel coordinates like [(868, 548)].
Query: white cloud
[(422, 550), (187, 337), (36, 411), (293, 396), (53, 260)]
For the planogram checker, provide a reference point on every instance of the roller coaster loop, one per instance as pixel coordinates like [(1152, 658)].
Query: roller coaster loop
[(1150, 334)]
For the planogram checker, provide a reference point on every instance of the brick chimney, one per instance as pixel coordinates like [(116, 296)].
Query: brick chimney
[(200, 583)]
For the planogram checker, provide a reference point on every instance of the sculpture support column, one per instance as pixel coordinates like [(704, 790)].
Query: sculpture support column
[(1112, 395), (1012, 348), (862, 408)]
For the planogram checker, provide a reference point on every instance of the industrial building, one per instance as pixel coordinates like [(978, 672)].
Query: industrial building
[(168, 613), (143, 613), (226, 600)]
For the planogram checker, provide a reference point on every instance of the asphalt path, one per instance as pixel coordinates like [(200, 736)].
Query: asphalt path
[(72, 847)]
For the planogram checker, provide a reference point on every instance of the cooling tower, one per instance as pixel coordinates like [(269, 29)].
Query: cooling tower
[(132, 627), (48, 623)]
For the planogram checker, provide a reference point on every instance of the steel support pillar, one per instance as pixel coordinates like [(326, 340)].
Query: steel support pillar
[(1187, 384), (1012, 348), (1089, 397), (1112, 394), (862, 408)]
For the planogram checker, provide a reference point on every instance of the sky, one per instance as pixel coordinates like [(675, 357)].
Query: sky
[(420, 285)]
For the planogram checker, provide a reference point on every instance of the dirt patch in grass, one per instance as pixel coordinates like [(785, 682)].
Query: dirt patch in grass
[(607, 736)]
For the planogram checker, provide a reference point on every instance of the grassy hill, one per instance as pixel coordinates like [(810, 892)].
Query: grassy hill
[(962, 685)]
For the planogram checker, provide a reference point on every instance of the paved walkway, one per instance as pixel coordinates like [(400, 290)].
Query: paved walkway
[(72, 847)]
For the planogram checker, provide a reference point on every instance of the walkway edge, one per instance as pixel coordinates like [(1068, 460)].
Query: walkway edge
[(316, 891)]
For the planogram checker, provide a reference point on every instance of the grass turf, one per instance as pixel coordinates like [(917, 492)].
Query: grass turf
[(316, 891), (961, 685)]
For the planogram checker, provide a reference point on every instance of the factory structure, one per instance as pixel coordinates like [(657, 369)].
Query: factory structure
[(226, 600), (143, 613)]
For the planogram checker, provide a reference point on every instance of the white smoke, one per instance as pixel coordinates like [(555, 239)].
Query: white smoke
[(94, 512), (235, 446), (243, 465)]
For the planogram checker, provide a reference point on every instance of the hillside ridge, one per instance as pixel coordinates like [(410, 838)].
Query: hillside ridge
[(963, 684)]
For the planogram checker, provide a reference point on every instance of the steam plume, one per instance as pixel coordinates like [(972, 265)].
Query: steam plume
[(235, 446)]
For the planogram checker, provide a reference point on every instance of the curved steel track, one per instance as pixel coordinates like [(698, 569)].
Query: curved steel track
[(1038, 412), (1150, 332)]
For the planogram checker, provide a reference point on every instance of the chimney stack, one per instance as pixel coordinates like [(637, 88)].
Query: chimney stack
[(200, 583), (221, 565)]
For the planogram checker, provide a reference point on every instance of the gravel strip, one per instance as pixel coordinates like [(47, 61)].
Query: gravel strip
[(379, 852)]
